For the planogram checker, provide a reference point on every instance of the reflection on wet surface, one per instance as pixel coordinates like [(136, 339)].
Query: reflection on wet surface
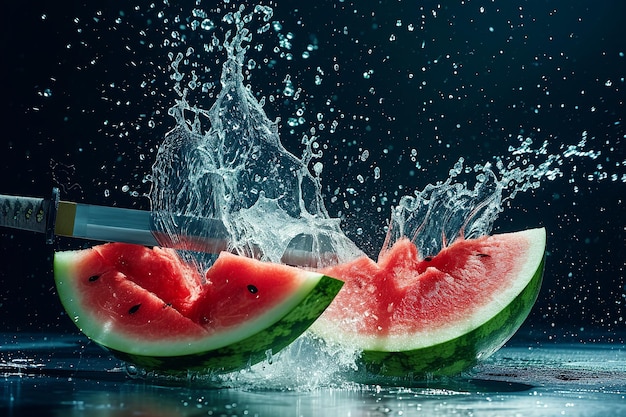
[(68, 376)]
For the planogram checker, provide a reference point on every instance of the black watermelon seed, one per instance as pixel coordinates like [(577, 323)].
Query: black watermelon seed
[(428, 258), (483, 255), (253, 289), (134, 309), (94, 278)]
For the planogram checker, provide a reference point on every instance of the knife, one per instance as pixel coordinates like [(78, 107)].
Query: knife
[(54, 217)]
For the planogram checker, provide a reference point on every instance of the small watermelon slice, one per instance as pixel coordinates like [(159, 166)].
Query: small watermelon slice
[(439, 315), (151, 309)]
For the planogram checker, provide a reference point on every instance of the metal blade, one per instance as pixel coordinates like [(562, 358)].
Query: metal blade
[(114, 224), (109, 224)]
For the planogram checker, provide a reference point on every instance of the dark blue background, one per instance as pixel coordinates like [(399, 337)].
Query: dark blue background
[(542, 71)]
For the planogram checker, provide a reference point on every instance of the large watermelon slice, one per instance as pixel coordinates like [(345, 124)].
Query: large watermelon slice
[(437, 315), (151, 309)]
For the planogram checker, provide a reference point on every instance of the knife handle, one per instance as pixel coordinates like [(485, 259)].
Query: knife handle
[(30, 213)]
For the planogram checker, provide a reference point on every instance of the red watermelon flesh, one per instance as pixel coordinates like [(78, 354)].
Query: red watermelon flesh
[(403, 302), (146, 301), (157, 271), (231, 279)]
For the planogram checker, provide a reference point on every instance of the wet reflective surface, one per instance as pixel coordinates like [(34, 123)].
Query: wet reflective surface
[(68, 376), (397, 93)]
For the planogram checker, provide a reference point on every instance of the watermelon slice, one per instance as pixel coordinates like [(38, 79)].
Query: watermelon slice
[(439, 315), (151, 309)]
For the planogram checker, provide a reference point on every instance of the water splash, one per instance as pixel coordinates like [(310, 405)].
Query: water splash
[(439, 214), (236, 181), (266, 199), (306, 364)]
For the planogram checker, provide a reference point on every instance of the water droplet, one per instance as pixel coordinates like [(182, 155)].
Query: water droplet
[(207, 24), (133, 372)]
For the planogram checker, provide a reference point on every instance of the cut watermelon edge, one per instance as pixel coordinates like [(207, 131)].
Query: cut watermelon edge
[(458, 355), (251, 350), (103, 334), (332, 331)]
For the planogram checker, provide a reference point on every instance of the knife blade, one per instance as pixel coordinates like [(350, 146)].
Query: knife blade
[(113, 224), (63, 218)]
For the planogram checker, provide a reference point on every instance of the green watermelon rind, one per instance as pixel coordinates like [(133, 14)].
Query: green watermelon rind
[(434, 352), (226, 351), (253, 349), (459, 354)]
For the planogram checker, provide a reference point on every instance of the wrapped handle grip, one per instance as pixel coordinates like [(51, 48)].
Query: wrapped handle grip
[(30, 213)]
